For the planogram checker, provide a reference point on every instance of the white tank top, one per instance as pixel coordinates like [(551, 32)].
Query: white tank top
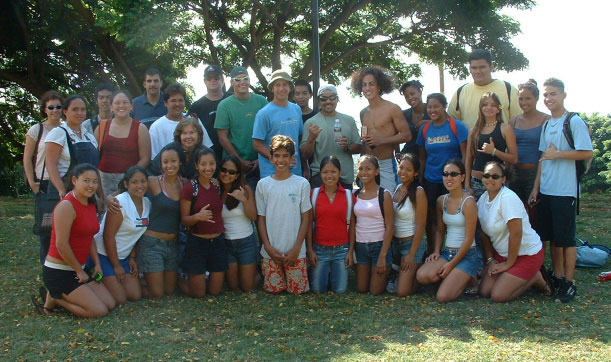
[(237, 224), (370, 227), (405, 218), (455, 225)]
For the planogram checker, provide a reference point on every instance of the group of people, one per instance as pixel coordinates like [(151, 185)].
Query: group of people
[(150, 199)]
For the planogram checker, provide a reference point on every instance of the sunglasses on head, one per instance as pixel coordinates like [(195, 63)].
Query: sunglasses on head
[(243, 79), (54, 107), (231, 172), (494, 176), (453, 173), (329, 98)]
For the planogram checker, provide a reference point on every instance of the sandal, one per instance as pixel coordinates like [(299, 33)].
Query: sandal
[(549, 289), (42, 291), (41, 309)]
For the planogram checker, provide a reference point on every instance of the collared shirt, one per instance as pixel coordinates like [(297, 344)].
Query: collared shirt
[(143, 109)]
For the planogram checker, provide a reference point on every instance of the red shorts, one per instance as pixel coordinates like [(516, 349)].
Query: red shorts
[(526, 266), (278, 278)]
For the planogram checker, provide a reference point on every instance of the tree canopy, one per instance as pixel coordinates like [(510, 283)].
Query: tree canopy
[(72, 45)]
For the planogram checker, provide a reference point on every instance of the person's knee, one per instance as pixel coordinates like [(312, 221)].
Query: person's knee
[(97, 311), (500, 296), (444, 296)]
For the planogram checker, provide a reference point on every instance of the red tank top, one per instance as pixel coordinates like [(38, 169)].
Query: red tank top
[(84, 227), (119, 154)]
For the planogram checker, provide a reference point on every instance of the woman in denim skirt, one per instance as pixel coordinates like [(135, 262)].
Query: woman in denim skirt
[(239, 211), (410, 204), (330, 252), (460, 261)]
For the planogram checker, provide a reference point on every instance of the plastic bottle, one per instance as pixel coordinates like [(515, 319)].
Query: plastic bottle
[(337, 131)]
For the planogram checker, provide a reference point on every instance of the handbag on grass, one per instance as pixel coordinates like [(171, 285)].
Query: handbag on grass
[(591, 256)]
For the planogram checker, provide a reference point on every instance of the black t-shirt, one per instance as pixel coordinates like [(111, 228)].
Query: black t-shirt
[(309, 115), (206, 112), (411, 146)]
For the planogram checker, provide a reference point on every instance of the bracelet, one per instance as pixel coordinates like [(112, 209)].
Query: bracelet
[(493, 152), (489, 260)]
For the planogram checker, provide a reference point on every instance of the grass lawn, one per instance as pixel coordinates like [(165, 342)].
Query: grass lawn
[(236, 326)]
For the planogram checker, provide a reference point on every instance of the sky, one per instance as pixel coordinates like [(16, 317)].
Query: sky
[(565, 39)]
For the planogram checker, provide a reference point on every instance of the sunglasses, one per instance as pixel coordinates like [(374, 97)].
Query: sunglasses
[(54, 107), (231, 172), (243, 79), (213, 77), (452, 174), (494, 176), (329, 98)]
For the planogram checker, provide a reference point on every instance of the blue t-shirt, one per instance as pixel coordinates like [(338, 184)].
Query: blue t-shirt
[(558, 177), (273, 120), (143, 109), (441, 146)]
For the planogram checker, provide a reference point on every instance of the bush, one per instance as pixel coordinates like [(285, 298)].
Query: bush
[(598, 179)]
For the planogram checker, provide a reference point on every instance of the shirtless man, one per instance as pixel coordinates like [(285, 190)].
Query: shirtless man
[(385, 123)]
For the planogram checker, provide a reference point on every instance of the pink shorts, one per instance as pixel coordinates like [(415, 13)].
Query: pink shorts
[(278, 278), (526, 266)]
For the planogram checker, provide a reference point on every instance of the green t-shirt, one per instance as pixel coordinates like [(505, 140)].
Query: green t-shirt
[(238, 116), (325, 142)]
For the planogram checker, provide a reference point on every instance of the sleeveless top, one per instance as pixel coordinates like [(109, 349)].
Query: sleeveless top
[(482, 158), (84, 227), (165, 212), (119, 154), (237, 224), (528, 144), (455, 225), (405, 218), (370, 227)]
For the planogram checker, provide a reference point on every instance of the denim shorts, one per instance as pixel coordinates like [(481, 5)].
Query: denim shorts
[(478, 187), (243, 251), (401, 248), (471, 264), (367, 253), (330, 269), (205, 255), (157, 255)]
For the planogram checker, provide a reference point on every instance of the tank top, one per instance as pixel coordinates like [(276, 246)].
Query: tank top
[(237, 224), (165, 212), (455, 225), (481, 158), (405, 218), (84, 227), (528, 144), (370, 225), (119, 154)]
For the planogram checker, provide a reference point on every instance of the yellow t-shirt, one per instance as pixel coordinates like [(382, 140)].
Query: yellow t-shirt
[(470, 96)]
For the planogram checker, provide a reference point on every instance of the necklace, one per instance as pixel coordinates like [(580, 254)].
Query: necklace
[(490, 124)]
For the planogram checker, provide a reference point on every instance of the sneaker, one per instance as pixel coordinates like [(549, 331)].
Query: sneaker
[(567, 291)]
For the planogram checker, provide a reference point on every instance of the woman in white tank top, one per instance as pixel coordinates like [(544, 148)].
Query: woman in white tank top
[(410, 205), (460, 261)]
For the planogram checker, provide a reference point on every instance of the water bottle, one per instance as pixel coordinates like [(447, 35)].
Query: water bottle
[(337, 131)]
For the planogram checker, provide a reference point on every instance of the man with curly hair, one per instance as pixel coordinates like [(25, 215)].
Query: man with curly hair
[(385, 123)]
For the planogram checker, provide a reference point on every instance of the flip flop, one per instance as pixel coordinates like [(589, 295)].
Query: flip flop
[(549, 285), (42, 291), (41, 309)]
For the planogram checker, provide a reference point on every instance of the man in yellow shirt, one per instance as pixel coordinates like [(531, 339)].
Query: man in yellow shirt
[(465, 101)]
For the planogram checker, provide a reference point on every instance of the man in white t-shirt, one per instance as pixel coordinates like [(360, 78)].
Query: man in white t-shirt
[(162, 130), (556, 186)]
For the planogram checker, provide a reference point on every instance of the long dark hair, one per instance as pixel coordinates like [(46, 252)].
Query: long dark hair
[(333, 160), (411, 191), (202, 151), (129, 173), (232, 202), (79, 170)]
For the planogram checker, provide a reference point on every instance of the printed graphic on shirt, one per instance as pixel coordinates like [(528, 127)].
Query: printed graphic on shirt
[(439, 139)]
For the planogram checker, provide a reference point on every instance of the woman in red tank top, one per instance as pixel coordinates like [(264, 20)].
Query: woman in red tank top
[(75, 223)]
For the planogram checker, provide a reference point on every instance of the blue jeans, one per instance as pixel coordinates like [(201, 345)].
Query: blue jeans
[(243, 251), (368, 253), (330, 269)]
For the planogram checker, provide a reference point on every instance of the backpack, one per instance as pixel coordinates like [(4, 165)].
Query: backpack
[(349, 201), (507, 86), (591, 256), (581, 166), (453, 127), (380, 199)]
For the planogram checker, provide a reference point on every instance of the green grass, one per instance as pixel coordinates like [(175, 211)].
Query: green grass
[(236, 326)]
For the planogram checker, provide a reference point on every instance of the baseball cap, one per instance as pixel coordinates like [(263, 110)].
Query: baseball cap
[(237, 71), (327, 89), (213, 69), (280, 74)]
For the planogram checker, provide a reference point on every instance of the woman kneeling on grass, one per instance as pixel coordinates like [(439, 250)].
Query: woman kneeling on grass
[(201, 208), (460, 261), (373, 229), (513, 250), (239, 211), (410, 205), (329, 248), (75, 222), (119, 234)]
